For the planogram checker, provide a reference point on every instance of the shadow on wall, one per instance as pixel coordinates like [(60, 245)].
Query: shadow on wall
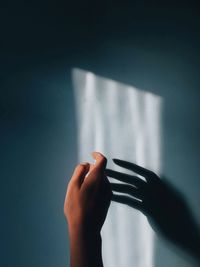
[(111, 117), (119, 119), (165, 207)]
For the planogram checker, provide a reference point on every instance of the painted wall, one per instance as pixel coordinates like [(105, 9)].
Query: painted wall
[(154, 48)]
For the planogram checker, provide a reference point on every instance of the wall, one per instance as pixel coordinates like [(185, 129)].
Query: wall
[(154, 48)]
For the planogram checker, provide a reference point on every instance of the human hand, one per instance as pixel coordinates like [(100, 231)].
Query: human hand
[(86, 204), (88, 196)]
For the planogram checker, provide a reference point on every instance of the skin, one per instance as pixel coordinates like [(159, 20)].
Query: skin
[(88, 198), (86, 205)]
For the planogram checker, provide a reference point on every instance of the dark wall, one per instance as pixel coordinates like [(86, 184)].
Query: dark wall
[(154, 47)]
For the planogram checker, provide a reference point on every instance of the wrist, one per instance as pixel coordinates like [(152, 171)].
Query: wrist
[(82, 233), (85, 248)]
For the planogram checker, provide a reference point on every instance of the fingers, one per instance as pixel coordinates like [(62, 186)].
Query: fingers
[(96, 172), (128, 201), (135, 168), (126, 178), (82, 169), (126, 189), (101, 160), (79, 173)]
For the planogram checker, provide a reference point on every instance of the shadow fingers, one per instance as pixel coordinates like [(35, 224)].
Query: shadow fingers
[(126, 178), (126, 189), (131, 202), (136, 168)]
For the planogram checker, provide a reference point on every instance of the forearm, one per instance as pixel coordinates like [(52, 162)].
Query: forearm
[(85, 249), (86, 205)]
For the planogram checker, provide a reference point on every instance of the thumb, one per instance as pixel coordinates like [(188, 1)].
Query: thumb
[(98, 167), (100, 159)]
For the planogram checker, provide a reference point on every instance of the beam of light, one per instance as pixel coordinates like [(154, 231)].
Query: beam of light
[(122, 122)]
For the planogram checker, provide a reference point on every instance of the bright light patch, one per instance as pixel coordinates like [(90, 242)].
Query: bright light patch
[(122, 122)]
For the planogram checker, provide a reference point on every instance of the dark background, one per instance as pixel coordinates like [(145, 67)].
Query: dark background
[(153, 46)]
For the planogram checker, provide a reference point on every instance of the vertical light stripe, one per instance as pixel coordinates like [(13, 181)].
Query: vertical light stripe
[(123, 122)]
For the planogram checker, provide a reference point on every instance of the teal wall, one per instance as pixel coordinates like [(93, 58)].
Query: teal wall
[(154, 48)]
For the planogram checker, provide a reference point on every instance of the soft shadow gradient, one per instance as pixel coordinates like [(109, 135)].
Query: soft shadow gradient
[(165, 208), (122, 120)]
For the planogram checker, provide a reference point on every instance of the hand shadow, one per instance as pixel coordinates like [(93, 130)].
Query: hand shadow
[(165, 208)]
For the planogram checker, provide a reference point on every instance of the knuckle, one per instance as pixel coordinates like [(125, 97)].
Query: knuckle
[(80, 167)]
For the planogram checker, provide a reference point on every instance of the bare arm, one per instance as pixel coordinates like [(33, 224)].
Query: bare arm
[(86, 205)]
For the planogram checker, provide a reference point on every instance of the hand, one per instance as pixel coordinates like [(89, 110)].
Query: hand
[(164, 207), (86, 205), (88, 197)]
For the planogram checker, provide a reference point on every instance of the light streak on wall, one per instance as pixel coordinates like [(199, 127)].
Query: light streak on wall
[(122, 122)]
